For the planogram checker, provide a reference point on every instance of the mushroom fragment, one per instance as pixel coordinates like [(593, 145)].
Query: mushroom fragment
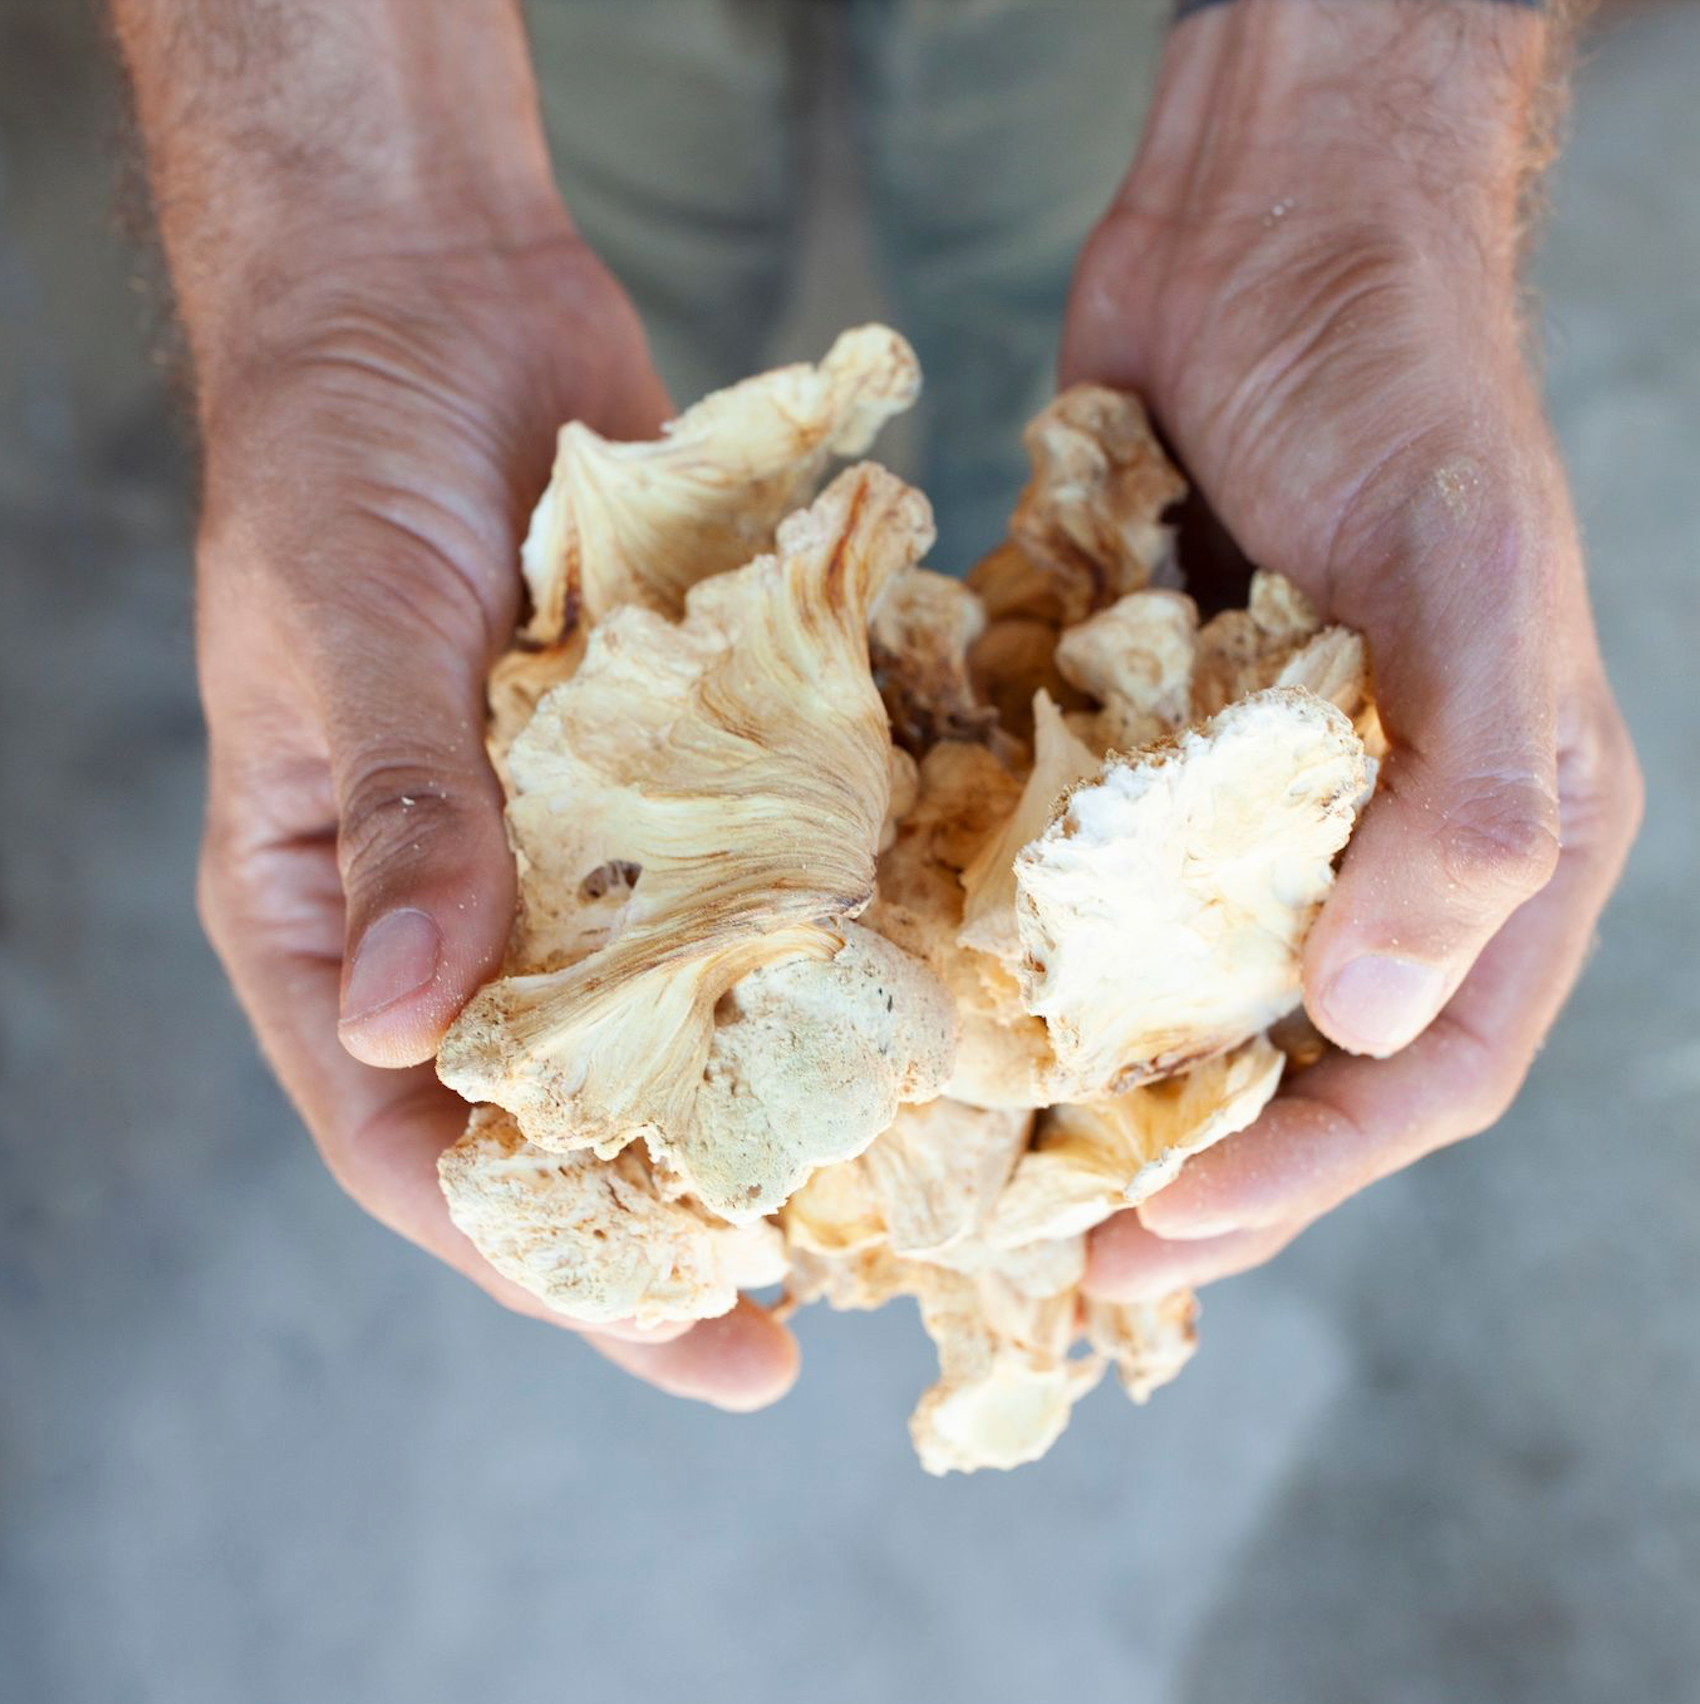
[(599, 1240), (1148, 1343), (1136, 659), (1086, 530), (642, 523), (1162, 913), (737, 762), (880, 932), (1003, 1057), (1089, 519), (1007, 1381), (918, 641), (925, 1185), (1092, 1160), (989, 883)]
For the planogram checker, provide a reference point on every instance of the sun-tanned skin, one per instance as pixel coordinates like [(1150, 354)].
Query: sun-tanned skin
[(1309, 271)]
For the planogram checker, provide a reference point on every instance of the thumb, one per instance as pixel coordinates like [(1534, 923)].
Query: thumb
[(427, 876), (1454, 588)]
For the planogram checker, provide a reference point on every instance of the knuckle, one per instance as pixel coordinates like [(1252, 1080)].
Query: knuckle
[(1485, 1080), (222, 879), (1601, 785), (1502, 836), (393, 813)]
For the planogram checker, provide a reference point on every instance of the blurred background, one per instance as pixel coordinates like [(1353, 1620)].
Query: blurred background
[(254, 1448)]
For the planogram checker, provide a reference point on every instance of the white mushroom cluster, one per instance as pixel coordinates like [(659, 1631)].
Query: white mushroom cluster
[(880, 933)]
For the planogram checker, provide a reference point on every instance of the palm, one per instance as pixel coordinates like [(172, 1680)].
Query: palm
[(1355, 408)]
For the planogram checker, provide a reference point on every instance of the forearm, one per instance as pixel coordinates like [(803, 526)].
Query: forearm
[(1285, 104), (282, 133)]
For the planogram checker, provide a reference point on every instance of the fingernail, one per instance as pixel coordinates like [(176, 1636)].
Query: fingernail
[(396, 956), (1378, 1003)]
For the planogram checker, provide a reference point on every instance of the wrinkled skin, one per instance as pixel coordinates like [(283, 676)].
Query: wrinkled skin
[(372, 446), (1321, 312)]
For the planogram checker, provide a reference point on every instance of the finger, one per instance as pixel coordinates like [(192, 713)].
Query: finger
[(1346, 1122), (427, 873), (741, 1361), (274, 913), (1128, 1263), (1456, 591)]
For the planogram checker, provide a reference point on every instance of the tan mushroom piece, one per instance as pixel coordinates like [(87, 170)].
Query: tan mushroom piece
[(880, 933), (1148, 1343), (517, 685), (1162, 914), (1003, 1056), (988, 883), (642, 523), (1090, 1161), (733, 770), (1086, 531), (1007, 1382), (598, 1240), (925, 1185), (1136, 659), (918, 641), (1090, 518)]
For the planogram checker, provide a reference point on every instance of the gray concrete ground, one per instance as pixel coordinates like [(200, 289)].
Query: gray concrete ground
[(254, 1449)]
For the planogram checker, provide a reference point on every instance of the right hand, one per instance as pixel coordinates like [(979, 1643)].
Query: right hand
[(376, 426)]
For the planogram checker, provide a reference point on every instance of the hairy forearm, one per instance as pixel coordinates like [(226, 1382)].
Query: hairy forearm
[(1263, 102), (281, 133)]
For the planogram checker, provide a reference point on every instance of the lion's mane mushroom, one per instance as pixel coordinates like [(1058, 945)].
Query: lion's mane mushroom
[(1162, 913), (727, 775), (1087, 530), (965, 793), (727, 1047), (1090, 1161), (923, 1187), (599, 1240), (642, 523), (918, 642)]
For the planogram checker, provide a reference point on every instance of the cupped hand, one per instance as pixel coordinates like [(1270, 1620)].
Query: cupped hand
[(376, 423), (1323, 314)]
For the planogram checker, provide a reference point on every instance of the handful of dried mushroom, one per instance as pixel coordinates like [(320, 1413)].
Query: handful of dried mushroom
[(879, 932)]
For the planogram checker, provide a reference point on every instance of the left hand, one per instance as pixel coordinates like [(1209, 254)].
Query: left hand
[(1309, 275)]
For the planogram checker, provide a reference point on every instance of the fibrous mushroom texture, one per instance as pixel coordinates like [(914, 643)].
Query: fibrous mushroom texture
[(1007, 1381), (924, 1186), (1093, 1160), (1136, 659), (732, 771), (598, 1239), (1087, 530), (642, 523), (1060, 759), (1163, 912), (965, 794), (922, 627), (877, 931)]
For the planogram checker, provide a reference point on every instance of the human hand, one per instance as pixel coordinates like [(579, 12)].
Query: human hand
[(372, 444), (1309, 274)]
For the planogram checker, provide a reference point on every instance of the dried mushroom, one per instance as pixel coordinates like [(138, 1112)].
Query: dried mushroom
[(878, 932), (1162, 913), (642, 523), (736, 765), (1007, 1380), (918, 641), (1086, 531), (926, 1184), (599, 1240), (1092, 1160), (1003, 1056), (1148, 1343)]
